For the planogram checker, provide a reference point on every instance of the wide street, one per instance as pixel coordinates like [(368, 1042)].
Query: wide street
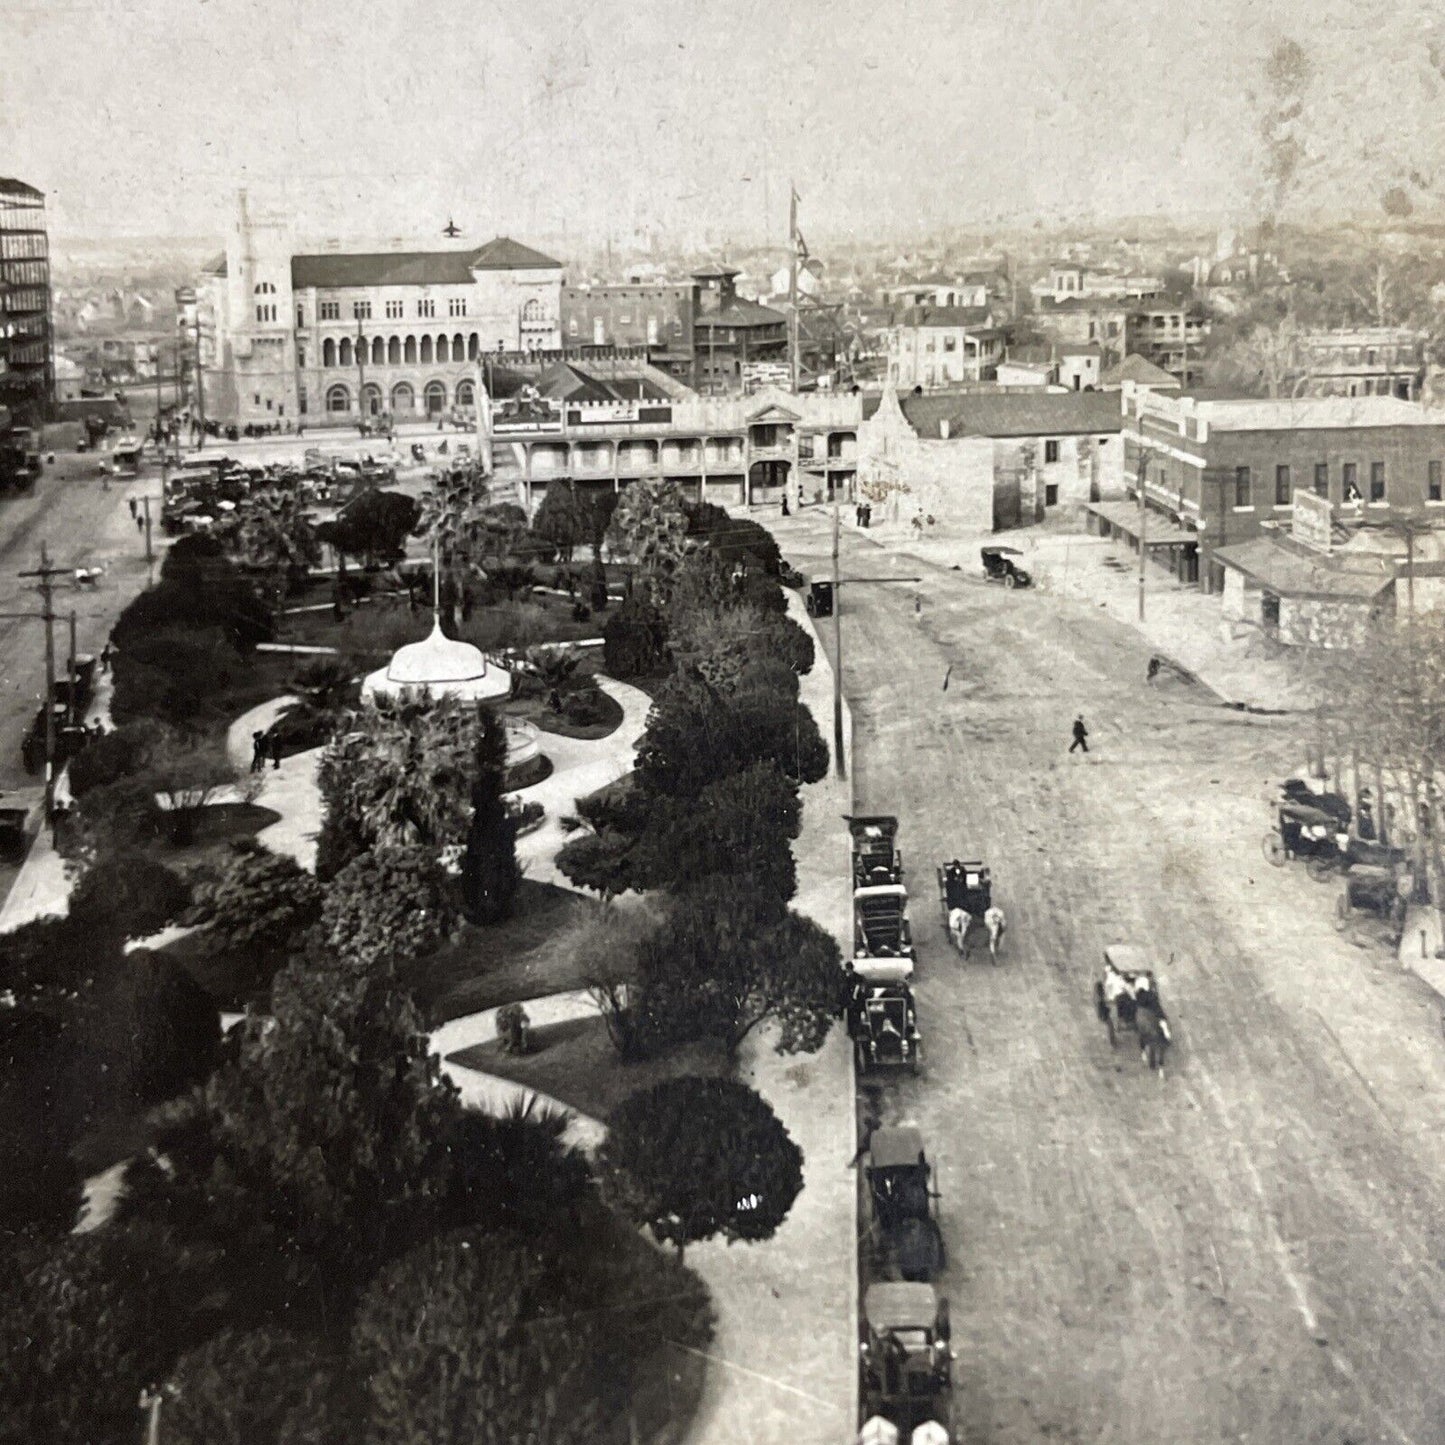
[(1251, 1249)]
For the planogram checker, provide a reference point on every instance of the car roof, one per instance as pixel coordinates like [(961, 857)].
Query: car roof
[(893, 1148), (1128, 957), (901, 1304)]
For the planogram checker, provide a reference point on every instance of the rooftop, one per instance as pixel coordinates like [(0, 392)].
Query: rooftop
[(965, 317), (1316, 413), (737, 311), (1139, 370), (11, 187), (1289, 570), (415, 268), (1009, 414)]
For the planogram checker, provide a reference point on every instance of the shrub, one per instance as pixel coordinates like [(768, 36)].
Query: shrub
[(171, 673), (586, 706), (514, 1031), (261, 901), (388, 908), (130, 899), (634, 639), (120, 753)]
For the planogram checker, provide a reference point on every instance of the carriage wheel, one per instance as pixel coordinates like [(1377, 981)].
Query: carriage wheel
[(1320, 869), (1275, 850)]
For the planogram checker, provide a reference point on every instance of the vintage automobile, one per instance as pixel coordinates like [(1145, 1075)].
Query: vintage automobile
[(883, 1024), (819, 600), (999, 566), (876, 858), (904, 1234), (905, 1355), (882, 935)]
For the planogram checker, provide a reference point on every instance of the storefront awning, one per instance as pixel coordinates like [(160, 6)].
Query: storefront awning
[(1124, 517), (1300, 575)]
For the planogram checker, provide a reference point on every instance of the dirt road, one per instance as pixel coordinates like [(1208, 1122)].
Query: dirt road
[(1249, 1250)]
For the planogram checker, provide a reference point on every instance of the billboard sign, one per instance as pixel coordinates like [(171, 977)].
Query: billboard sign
[(1310, 522)]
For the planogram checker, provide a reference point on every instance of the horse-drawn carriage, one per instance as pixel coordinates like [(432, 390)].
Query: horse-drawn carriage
[(876, 858), (904, 1236), (965, 896), (883, 1024), (882, 934), (905, 1357), (1126, 997)]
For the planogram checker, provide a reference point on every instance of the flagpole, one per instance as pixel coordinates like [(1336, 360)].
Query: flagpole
[(793, 286)]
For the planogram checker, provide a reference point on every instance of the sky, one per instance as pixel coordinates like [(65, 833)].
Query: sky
[(537, 117)]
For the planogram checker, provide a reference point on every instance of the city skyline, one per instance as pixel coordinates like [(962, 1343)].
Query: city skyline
[(533, 121)]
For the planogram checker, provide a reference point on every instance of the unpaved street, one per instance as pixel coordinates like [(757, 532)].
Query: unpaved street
[(1252, 1249)]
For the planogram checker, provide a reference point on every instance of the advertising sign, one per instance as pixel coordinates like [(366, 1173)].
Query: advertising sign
[(1310, 522)]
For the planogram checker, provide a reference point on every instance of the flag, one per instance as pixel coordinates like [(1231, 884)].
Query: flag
[(795, 236)]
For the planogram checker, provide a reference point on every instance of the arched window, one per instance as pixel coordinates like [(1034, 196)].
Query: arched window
[(371, 399), (378, 351), (474, 346), (459, 346), (410, 350), (328, 352), (403, 398), (265, 288), (436, 398), (466, 394), (343, 352), (426, 351), (393, 351), (338, 398), (444, 349), (532, 311)]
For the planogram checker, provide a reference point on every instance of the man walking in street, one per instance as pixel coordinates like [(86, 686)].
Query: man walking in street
[(1081, 735), (275, 742), (258, 751), (131, 501)]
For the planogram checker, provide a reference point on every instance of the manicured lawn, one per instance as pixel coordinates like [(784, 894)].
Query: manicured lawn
[(535, 710), (575, 1063)]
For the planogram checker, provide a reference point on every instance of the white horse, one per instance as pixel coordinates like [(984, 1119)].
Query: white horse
[(995, 923), (960, 920)]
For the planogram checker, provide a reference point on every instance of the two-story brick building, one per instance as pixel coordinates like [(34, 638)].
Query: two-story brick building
[(1224, 472), (653, 314)]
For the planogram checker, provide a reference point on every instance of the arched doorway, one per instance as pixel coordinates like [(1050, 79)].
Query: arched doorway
[(466, 394), (403, 398), (436, 398), (338, 398), (371, 399), (766, 480)]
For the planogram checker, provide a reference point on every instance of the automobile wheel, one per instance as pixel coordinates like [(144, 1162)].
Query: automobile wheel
[(1009, 580), (1275, 850)]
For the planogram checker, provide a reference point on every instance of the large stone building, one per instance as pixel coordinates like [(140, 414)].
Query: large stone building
[(1363, 361), (27, 353), (334, 336)]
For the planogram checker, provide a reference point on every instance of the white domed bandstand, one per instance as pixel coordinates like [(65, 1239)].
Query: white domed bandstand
[(442, 667)]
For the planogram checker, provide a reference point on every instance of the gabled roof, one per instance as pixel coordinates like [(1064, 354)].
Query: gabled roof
[(1138, 369), (737, 311), (415, 268), (1010, 414), (967, 317), (565, 382)]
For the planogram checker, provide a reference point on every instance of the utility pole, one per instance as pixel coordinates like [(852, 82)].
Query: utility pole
[(793, 289), (45, 572), (150, 553), (840, 766), (70, 675), (1142, 479), (200, 387)]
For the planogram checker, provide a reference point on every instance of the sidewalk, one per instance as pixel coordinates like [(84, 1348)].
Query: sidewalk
[(1101, 574), (785, 1354)]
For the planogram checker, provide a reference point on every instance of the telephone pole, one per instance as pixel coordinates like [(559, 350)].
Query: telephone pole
[(200, 387), (793, 298), (840, 767), (46, 586)]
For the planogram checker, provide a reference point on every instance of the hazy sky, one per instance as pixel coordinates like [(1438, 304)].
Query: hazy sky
[(526, 116)]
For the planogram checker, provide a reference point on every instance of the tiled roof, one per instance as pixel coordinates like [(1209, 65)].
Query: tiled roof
[(739, 312), (415, 268), (1010, 414), (1138, 369), (968, 317), (10, 187)]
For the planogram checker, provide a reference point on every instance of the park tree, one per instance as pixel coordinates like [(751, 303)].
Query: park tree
[(562, 519), (607, 863), (452, 521), (649, 528), (320, 1150), (730, 957), (200, 588), (690, 1158), (634, 639), (490, 872), (259, 902), (246, 1386), (120, 753), (389, 908), (271, 531), (554, 1339), (130, 897), (374, 527)]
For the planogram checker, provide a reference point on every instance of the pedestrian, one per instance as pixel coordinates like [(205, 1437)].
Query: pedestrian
[(130, 501), (258, 751), (107, 654), (1153, 670), (275, 741), (785, 504), (858, 514), (1081, 735), (867, 515), (140, 524)]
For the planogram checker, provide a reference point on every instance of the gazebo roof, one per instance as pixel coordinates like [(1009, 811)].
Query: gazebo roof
[(435, 661)]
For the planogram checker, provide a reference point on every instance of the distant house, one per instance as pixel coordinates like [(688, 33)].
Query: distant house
[(1078, 321), (938, 291), (1071, 281), (939, 346), (1044, 448), (1144, 374)]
